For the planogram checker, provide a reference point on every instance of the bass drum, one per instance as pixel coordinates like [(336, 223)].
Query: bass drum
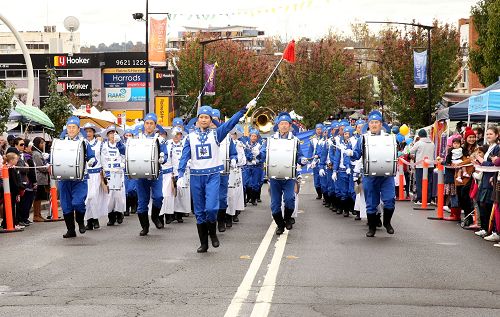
[(142, 158), (281, 158), (67, 158), (380, 155)]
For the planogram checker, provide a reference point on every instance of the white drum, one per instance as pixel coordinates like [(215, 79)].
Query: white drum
[(224, 155), (115, 181), (281, 158), (235, 178), (380, 155), (68, 159), (142, 158)]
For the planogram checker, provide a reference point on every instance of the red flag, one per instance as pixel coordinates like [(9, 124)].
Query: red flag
[(289, 53)]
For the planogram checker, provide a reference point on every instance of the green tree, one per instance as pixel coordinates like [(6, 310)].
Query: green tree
[(407, 104), (57, 106), (6, 94), (484, 54)]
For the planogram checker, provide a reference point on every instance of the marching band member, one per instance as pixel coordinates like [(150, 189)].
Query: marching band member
[(357, 166), (284, 189), (147, 188), (202, 148), (337, 139), (74, 192), (235, 195), (312, 150), (376, 187), (255, 155), (182, 200), (174, 149), (97, 197), (130, 184), (326, 159), (342, 174), (113, 164), (320, 149)]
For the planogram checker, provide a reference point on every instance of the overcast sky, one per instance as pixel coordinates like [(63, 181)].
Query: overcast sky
[(111, 21)]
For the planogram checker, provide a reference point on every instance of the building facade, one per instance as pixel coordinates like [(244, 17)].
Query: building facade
[(41, 42), (469, 81)]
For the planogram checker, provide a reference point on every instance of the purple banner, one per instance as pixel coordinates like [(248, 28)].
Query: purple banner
[(209, 76)]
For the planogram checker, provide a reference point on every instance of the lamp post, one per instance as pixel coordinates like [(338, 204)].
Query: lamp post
[(359, 84), (141, 17), (428, 28)]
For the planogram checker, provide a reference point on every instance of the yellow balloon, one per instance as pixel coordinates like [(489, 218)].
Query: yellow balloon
[(404, 129)]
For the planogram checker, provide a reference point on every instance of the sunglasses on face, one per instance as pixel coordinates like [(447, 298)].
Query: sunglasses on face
[(21, 144)]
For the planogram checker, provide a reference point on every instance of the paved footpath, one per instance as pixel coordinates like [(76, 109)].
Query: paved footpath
[(325, 266)]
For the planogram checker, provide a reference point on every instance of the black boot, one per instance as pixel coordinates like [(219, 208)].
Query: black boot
[(345, 207), (328, 200), (257, 195), (127, 206), (288, 219), (318, 191), (253, 197), (221, 220), (340, 206), (203, 235), (133, 205), (278, 218), (178, 217), (69, 219), (119, 217), (358, 215), (111, 219), (212, 231), (229, 221), (169, 218), (387, 220), (96, 224), (325, 198), (235, 217), (144, 221), (372, 225), (81, 222), (379, 220), (90, 224), (155, 217)]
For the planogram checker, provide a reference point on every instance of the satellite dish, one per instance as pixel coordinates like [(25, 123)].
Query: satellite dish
[(71, 24)]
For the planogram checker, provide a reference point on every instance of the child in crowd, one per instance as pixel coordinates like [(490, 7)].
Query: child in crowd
[(457, 155), (16, 187)]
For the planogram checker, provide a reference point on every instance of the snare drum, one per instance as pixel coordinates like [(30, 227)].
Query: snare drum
[(281, 158), (115, 181), (380, 155), (142, 158), (68, 159)]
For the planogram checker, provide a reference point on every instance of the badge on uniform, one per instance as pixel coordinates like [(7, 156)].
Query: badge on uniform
[(203, 152)]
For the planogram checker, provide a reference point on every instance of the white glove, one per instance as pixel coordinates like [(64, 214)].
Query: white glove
[(313, 164), (161, 160), (322, 173), (349, 152), (255, 151), (91, 162), (118, 138), (233, 163), (45, 156), (303, 161), (161, 139), (348, 171), (180, 182), (122, 165), (316, 156), (299, 177), (254, 162), (334, 176), (251, 104)]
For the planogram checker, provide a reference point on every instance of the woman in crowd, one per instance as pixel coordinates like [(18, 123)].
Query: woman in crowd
[(463, 188), (40, 158)]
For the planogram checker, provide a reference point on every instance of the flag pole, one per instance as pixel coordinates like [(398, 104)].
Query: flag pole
[(265, 84), (198, 99)]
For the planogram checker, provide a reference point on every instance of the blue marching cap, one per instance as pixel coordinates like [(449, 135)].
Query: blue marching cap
[(360, 122), (205, 110), (319, 126), (73, 120), (254, 131), (151, 116), (344, 123), (375, 115), (284, 116), (177, 121), (335, 125), (215, 113), (128, 130), (349, 130)]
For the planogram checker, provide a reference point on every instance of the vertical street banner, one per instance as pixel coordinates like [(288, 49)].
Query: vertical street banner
[(163, 111), (420, 69), (157, 42), (209, 76)]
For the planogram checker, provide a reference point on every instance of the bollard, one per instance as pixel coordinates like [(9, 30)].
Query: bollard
[(440, 194), (7, 202), (425, 186), (53, 202), (401, 195)]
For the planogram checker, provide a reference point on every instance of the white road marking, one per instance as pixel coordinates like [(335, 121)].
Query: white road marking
[(244, 288), (265, 296)]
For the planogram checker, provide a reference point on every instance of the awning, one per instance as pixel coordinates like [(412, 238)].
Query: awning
[(32, 113)]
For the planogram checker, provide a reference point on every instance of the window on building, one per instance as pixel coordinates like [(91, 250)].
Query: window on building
[(75, 73), (2, 74), (7, 47), (61, 73), (465, 75), (37, 46), (14, 73)]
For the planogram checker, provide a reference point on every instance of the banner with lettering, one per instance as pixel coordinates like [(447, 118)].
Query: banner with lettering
[(157, 42), (420, 69), (209, 76)]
